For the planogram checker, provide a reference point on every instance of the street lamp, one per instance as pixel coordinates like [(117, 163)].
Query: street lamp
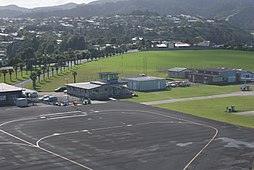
[(67, 81)]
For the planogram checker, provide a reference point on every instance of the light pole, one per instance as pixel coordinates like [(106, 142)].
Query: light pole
[(67, 81)]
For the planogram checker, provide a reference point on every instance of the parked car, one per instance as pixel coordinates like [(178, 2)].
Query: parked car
[(50, 99), (60, 89), (43, 97), (29, 93)]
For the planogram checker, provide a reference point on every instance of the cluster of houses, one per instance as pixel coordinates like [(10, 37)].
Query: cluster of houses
[(212, 75)]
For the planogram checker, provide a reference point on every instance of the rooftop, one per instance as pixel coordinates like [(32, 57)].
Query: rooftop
[(108, 73), (144, 78), (85, 85), (216, 69), (177, 69), (8, 88)]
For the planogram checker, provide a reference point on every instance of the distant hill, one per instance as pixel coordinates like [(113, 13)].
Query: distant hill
[(54, 8), (244, 19), (104, 1), (231, 10), (12, 11), (14, 8), (15, 11)]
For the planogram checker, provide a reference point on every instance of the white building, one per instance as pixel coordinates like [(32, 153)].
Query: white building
[(145, 83)]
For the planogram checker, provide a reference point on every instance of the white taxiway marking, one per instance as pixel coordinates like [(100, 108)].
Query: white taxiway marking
[(179, 119), (45, 150), (60, 113), (11, 143), (66, 117), (27, 143), (18, 120)]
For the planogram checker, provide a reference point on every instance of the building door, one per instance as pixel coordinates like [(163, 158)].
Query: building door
[(159, 85)]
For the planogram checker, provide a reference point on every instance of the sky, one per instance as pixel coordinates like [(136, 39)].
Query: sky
[(40, 3)]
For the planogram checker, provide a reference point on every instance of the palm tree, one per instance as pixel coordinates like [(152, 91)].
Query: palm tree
[(44, 72), (38, 72), (33, 77), (52, 70), (4, 73), (28, 56), (56, 68), (48, 71), (74, 76), (21, 66), (15, 66), (10, 71)]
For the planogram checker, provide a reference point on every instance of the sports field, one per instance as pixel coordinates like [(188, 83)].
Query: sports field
[(155, 63)]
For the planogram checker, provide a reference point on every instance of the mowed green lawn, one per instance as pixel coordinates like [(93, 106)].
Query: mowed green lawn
[(175, 93), (215, 109), (13, 79), (158, 62)]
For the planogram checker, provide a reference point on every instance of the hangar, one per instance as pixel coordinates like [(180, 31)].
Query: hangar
[(146, 83)]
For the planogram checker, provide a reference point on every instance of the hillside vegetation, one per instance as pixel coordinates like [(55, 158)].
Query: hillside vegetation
[(205, 8)]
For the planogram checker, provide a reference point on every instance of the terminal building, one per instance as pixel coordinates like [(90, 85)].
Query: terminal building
[(9, 94), (107, 87)]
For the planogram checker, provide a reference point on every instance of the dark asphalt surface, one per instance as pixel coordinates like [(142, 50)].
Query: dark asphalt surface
[(118, 135)]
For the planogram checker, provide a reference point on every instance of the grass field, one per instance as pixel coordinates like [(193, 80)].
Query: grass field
[(14, 79), (175, 93), (215, 109), (158, 62)]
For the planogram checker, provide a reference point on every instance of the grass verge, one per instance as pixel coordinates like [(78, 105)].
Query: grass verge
[(176, 93), (215, 109)]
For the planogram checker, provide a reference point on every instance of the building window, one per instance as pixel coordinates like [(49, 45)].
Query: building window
[(2, 98)]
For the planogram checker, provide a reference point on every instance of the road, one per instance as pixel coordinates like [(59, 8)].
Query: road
[(247, 93)]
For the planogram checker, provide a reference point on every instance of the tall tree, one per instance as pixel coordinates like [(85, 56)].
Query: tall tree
[(21, 67), (33, 77), (15, 67), (29, 57), (74, 73), (4, 74), (10, 71)]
